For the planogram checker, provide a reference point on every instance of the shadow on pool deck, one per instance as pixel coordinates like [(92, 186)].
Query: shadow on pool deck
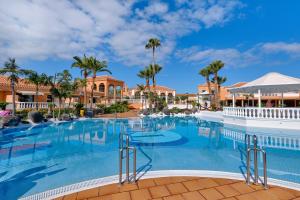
[(17, 185)]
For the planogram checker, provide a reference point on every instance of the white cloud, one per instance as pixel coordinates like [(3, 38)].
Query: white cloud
[(114, 29), (234, 57)]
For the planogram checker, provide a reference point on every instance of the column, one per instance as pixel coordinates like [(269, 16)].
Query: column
[(233, 100), (167, 97), (174, 96), (259, 98)]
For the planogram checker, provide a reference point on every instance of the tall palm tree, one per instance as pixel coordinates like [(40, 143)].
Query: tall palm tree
[(215, 67), (154, 69), (84, 65), (38, 80), (206, 72), (96, 66), (147, 75), (141, 88), (81, 84), (153, 43), (13, 72), (220, 81)]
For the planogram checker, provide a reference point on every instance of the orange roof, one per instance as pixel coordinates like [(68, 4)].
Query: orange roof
[(157, 87), (21, 85), (103, 78)]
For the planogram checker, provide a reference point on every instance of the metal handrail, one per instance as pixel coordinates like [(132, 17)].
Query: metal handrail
[(255, 150), (127, 148)]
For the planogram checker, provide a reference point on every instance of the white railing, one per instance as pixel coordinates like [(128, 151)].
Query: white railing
[(263, 113), (31, 105)]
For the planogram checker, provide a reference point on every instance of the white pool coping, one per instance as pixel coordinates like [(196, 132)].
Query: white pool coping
[(77, 187)]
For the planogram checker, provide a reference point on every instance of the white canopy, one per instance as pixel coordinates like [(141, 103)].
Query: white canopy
[(270, 83)]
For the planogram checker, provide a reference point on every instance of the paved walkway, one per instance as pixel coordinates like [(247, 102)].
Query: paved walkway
[(185, 188)]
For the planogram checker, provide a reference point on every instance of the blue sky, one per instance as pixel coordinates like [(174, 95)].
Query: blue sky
[(251, 37)]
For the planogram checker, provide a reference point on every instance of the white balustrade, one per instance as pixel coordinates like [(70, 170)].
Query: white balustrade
[(31, 105), (264, 113)]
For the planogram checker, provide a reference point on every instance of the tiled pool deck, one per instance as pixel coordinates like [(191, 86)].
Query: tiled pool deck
[(185, 188)]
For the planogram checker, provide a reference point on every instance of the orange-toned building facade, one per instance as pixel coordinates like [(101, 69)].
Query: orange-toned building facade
[(244, 100), (106, 89)]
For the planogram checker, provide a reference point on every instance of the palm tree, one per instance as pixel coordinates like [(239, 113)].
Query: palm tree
[(141, 88), (154, 69), (146, 74), (215, 67), (206, 72), (84, 65), (95, 67), (153, 43), (61, 87), (220, 81), (37, 80), (14, 72), (81, 84)]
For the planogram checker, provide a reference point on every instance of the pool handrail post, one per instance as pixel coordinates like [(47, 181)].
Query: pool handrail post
[(127, 159), (265, 169), (255, 160), (248, 165)]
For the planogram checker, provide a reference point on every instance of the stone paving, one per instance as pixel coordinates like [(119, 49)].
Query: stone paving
[(185, 188)]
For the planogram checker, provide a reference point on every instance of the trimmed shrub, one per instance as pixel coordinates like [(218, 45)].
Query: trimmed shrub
[(3, 105), (9, 121), (35, 117), (166, 111)]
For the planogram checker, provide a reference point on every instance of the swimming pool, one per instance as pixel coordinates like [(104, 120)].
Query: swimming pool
[(38, 159)]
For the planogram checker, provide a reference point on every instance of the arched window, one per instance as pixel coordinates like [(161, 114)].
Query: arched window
[(111, 89), (95, 87), (118, 91), (101, 87)]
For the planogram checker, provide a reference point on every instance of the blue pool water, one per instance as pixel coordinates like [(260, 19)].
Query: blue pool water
[(42, 158)]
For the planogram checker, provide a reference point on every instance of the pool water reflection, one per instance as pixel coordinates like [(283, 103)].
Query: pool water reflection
[(43, 158)]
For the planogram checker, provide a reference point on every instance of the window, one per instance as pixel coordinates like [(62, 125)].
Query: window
[(111, 89), (101, 87)]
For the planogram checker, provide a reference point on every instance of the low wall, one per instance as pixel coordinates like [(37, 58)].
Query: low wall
[(263, 123)]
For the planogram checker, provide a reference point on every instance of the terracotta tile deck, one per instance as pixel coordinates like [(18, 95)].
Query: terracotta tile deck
[(185, 188)]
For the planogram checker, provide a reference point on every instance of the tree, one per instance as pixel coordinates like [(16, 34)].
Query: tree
[(154, 69), (220, 81), (153, 43), (81, 84), (13, 72), (37, 80), (145, 74), (84, 65), (141, 88), (206, 72), (96, 66), (215, 67)]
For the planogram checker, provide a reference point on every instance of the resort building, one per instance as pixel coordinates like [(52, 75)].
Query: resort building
[(289, 99), (165, 92), (107, 89)]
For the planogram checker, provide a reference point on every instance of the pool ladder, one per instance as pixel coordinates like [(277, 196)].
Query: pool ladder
[(127, 150), (255, 150)]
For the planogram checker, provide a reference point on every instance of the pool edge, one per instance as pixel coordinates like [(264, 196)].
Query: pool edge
[(77, 187)]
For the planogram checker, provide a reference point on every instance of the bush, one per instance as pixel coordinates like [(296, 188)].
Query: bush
[(118, 107), (78, 107), (36, 117), (175, 110), (3, 105), (166, 111), (9, 121)]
